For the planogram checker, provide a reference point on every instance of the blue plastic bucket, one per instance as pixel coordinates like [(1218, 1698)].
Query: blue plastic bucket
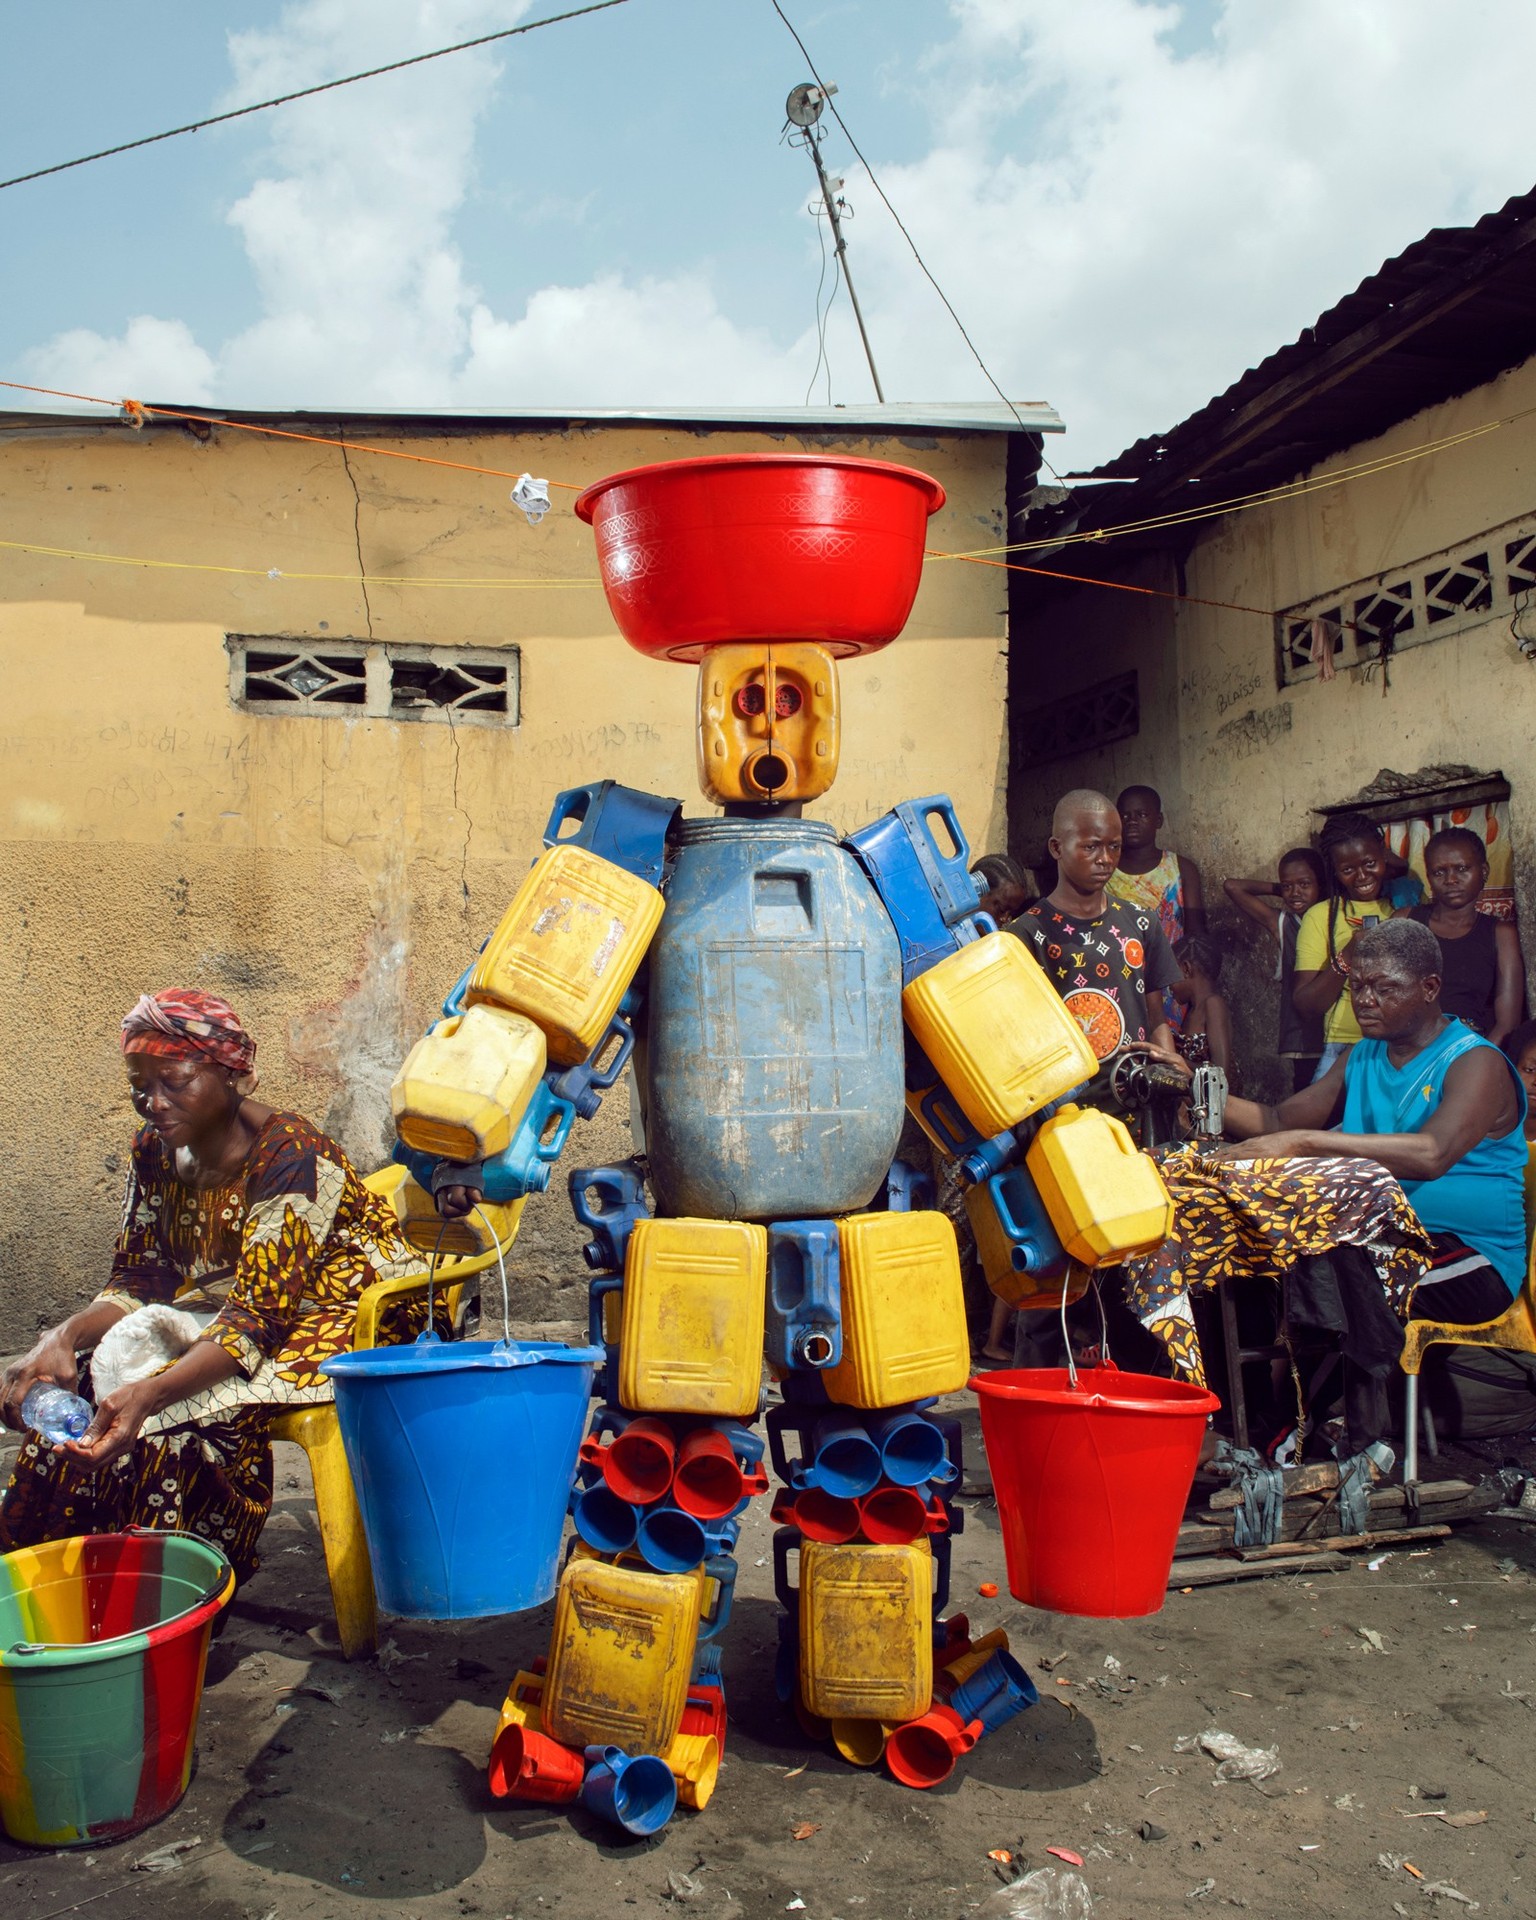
[(462, 1454)]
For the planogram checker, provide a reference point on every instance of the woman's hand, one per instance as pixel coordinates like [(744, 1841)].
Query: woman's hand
[(116, 1426), (454, 1202), (1294, 1144), (52, 1359)]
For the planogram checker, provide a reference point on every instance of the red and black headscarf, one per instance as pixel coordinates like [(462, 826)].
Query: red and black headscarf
[(180, 1023)]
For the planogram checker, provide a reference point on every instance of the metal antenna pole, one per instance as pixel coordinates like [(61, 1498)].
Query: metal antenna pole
[(841, 252)]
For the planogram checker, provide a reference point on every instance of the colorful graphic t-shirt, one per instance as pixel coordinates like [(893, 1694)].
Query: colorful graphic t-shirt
[(1103, 968)]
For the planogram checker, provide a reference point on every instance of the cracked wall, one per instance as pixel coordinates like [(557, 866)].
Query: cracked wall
[(332, 876)]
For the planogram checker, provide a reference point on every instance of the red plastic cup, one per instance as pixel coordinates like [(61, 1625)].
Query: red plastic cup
[(819, 1515), (531, 1766), (709, 1482), (638, 1463), (893, 1516), (923, 1752)]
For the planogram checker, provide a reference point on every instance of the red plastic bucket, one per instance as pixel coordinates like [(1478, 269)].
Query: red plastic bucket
[(1091, 1483), (760, 547)]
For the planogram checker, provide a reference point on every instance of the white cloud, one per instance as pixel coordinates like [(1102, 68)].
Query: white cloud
[(1124, 225), (149, 358)]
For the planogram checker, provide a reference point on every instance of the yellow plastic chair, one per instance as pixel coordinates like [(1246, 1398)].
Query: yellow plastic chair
[(318, 1432), (1514, 1332)]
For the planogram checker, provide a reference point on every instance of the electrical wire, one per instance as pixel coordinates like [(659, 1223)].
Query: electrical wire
[(307, 93), (901, 228), (823, 358), (281, 573), (821, 338)]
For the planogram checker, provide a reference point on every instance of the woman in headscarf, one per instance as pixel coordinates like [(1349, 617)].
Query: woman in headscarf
[(248, 1219)]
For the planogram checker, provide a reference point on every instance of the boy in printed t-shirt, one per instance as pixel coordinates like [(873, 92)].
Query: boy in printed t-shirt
[(1109, 960)]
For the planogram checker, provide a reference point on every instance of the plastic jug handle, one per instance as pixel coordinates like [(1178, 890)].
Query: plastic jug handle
[(550, 1150), (785, 1542), (721, 1569), (605, 1077), (939, 1547), (596, 1294)]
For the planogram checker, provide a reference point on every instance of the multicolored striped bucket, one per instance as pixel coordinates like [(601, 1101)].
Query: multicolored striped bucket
[(103, 1640)]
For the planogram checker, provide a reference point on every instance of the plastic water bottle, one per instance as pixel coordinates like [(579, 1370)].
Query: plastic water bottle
[(55, 1413)]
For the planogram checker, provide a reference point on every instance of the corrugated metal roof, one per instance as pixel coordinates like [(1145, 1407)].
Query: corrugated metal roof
[(894, 418), (1449, 313)]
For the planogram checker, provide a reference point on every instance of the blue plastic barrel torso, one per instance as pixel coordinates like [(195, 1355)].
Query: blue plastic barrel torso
[(772, 1080)]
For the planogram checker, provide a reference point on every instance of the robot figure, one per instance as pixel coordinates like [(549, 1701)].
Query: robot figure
[(783, 998)]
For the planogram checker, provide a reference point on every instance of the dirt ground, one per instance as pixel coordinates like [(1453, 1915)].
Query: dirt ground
[(327, 1789)]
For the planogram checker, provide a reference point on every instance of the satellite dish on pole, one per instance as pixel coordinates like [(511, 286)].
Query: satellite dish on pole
[(804, 105)]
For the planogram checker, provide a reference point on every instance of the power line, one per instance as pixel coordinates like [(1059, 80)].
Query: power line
[(922, 263), (306, 93)]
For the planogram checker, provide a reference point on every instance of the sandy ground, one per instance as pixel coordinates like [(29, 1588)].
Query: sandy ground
[(330, 1789)]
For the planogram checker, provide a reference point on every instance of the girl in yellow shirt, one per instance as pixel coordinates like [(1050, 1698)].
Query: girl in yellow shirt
[(1354, 852)]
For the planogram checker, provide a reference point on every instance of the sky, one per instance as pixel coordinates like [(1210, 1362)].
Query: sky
[(1128, 203)]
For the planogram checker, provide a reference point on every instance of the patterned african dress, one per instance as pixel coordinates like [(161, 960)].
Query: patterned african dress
[(1254, 1219), (279, 1259)]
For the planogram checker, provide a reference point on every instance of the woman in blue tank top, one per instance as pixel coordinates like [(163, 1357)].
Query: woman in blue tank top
[(1434, 1104)]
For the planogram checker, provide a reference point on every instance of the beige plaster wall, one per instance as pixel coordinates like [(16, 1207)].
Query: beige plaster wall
[(333, 875)]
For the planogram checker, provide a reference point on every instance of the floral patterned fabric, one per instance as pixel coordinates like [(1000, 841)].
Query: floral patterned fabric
[(1254, 1219), (280, 1260), (282, 1256)]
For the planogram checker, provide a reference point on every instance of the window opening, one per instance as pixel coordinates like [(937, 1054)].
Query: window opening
[(281, 675), (1096, 717)]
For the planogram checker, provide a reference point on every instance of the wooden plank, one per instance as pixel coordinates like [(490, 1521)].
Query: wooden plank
[(1215, 1571), (1343, 1543), (1431, 1492)]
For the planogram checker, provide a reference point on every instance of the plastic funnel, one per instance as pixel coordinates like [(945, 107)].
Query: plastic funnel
[(911, 1448), (994, 1693), (607, 1523), (860, 1742), (893, 1516), (694, 1760), (709, 1483), (923, 1752), (638, 1463), (671, 1541), (636, 1794), (526, 1765)]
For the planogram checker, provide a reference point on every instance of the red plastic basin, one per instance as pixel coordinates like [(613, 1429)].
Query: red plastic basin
[(760, 547)]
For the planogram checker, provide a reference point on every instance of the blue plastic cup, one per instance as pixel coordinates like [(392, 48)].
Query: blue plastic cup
[(911, 1448), (638, 1794), (846, 1461), (995, 1693), (607, 1523)]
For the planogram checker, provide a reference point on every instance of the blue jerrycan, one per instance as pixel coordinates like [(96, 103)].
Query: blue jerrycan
[(772, 1078), (804, 1310), (929, 894)]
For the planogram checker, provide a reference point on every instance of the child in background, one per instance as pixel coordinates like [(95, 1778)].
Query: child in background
[(1278, 906), (1483, 973), (1520, 1049), (1204, 1038), (1354, 852)]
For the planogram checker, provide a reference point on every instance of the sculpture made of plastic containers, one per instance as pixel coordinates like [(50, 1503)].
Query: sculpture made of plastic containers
[(783, 998)]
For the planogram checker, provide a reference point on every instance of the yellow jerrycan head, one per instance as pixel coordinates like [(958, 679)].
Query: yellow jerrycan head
[(1105, 1197), (768, 723)]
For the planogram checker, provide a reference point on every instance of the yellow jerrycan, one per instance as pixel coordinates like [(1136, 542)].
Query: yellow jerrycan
[(904, 1331), (465, 1084), (422, 1224), (620, 1654), (691, 1323), (1105, 1196), (997, 1031), (568, 947), (866, 1631)]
